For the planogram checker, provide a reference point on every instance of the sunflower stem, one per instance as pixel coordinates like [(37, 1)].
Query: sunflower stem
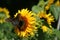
[(58, 26)]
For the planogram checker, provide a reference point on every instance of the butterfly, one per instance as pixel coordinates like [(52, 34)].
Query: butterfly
[(17, 21)]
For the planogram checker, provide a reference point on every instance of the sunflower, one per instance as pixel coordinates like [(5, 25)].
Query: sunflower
[(49, 4), (46, 29), (4, 13), (26, 23), (47, 17), (50, 1), (42, 14), (57, 3)]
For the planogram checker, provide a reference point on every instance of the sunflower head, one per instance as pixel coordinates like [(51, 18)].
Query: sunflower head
[(46, 29), (50, 1), (26, 25), (42, 14), (47, 7), (47, 17), (50, 18), (49, 4), (4, 13), (57, 3)]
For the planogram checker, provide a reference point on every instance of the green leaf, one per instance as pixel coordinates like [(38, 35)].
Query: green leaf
[(7, 26), (55, 11), (57, 32), (24, 38), (36, 9)]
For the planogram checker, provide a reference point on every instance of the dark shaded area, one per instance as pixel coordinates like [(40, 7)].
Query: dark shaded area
[(54, 24), (41, 34), (14, 5)]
